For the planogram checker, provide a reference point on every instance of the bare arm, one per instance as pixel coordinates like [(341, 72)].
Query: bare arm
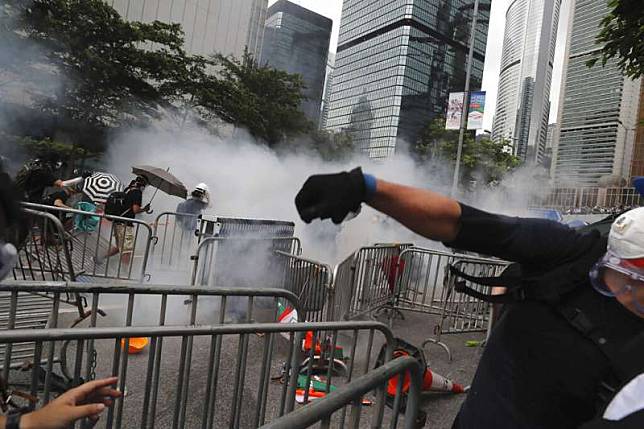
[(427, 213), (59, 203)]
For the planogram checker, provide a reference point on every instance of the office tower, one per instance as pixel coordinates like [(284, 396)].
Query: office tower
[(210, 26), (296, 40), (598, 108), (523, 104), (396, 64)]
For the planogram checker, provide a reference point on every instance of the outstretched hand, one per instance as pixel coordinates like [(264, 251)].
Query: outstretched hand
[(87, 400), (332, 196)]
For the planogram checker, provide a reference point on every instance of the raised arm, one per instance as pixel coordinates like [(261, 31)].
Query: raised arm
[(437, 217), (427, 213)]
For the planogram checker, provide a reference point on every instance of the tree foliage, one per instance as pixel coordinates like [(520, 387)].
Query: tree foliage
[(333, 146), (110, 70), (622, 37), (261, 99), (482, 159)]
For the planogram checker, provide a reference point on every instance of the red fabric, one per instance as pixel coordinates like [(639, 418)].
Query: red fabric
[(393, 268), (639, 263)]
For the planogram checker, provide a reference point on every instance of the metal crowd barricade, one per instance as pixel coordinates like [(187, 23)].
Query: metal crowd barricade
[(462, 313), (220, 226), (366, 280), (176, 239), (311, 282), (45, 253), (89, 247), (241, 261), (205, 377), (352, 394), (125, 304), (420, 284)]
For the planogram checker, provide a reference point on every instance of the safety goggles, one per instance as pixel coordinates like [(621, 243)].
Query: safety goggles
[(633, 272)]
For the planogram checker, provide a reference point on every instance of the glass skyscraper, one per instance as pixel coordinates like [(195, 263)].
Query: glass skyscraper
[(296, 40), (396, 63), (598, 109), (523, 104), (210, 26)]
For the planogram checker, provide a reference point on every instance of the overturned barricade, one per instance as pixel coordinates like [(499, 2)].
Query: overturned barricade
[(205, 377)]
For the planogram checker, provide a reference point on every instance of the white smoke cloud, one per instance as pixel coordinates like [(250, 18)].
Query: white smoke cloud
[(251, 181)]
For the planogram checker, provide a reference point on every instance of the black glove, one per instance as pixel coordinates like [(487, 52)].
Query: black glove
[(331, 196)]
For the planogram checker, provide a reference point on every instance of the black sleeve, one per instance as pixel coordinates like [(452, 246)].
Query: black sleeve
[(136, 197), (524, 240)]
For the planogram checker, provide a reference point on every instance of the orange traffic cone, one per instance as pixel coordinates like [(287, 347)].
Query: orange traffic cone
[(437, 383)]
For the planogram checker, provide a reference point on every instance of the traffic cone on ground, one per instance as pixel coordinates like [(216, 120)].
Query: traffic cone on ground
[(437, 383)]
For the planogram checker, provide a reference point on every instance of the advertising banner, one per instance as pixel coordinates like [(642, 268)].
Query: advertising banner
[(454, 110), (476, 110)]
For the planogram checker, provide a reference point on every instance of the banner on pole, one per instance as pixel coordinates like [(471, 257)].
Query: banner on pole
[(476, 110), (454, 110)]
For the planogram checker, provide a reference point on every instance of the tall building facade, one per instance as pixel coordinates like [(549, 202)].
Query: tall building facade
[(523, 104), (396, 64), (210, 26), (598, 109), (296, 40), (637, 160), (330, 68)]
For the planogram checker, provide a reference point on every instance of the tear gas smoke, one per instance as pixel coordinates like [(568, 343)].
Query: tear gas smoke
[(250, 180)]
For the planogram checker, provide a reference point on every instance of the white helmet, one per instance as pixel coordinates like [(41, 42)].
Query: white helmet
[(204, 192), (626, 238), (202, 187)]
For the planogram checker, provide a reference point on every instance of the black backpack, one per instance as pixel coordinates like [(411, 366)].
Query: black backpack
[(116, 204)]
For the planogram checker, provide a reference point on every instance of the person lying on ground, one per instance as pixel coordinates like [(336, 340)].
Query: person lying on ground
[(573, 333)]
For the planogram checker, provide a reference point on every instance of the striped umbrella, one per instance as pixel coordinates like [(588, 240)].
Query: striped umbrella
[(99, 186)]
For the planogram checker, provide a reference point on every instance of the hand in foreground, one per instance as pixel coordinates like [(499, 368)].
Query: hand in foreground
[(87, 400), (331, 196)]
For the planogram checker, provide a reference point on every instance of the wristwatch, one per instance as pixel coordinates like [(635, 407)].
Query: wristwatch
[(13, 420)]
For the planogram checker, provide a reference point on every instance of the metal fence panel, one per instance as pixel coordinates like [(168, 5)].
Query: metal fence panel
[(310, 281), (221, 226), (366, 280), (45, 253), (176, 238), (206, 376), (112, 248), (420, 279), (353, 393), (241, 261)]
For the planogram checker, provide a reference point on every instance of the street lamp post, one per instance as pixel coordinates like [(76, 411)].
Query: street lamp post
[(466, 101)]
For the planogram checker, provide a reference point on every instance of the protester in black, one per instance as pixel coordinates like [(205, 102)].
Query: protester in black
[(538, 370), (123, 232), (36, 176)]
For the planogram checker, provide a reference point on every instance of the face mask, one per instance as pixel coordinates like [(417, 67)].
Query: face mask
[(8, 258)]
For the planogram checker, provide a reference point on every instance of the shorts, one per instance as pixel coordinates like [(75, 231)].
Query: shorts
[(124, 235)]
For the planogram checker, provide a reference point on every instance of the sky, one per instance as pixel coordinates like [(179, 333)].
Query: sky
[(333, 9)]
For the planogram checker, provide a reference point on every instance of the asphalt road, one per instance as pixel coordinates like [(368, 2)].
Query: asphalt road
[(440, 408)]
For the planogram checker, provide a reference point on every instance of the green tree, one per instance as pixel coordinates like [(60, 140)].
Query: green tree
[(111, 71), (333, 146), (482, 159), (622, 37), (263, 100)]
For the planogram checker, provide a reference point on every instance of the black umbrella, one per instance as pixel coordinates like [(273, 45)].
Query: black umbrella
[(162, 180), (99, 186)]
